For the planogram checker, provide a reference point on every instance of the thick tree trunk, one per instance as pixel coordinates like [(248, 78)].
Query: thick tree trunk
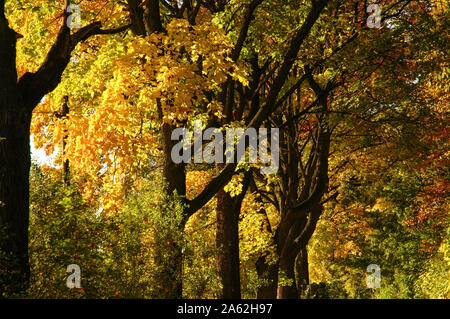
[(14, 197), (175, 177), (287, 269), (14, 169), (174, 174), (288, 230), (268, 273), (227, 241)]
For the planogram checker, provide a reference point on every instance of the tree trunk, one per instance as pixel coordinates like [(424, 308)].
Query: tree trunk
[(175, 177), (227, 241), (15, 164), (288, 290), (268, 273), (14, 196), (63, 113), (301, 265)]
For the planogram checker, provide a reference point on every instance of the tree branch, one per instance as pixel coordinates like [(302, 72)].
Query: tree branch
[(288, 61), (210, 190), (2, 9), (226, 174), (34, 86), (8, 38), (244, 30)]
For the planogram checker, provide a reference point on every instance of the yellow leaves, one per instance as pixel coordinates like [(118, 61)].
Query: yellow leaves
[(114, 201), (113, 87), (216, 108), (440, 7), (234, 187), (108, 144), (168, 119), (381, 205), (196, 181), (178, 67), (241, 76), (255, 240)]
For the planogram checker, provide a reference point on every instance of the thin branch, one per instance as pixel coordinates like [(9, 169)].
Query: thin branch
[(244, 30)]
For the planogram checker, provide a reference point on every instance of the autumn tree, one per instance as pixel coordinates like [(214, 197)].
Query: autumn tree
[(312, 68), (195, 52), (21, 93), (372, 104)]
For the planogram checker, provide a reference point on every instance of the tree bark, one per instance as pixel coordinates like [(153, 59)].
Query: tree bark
[(302, 271), (288, 253), (287, 269), (227, 241), (175, 179), (14, 196), (63, 113), (268, 273), (14, 169)]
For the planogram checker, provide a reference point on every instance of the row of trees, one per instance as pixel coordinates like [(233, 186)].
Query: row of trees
[(352, 103)]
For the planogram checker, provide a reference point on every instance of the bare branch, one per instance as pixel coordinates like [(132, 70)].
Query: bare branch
[(211, 189)]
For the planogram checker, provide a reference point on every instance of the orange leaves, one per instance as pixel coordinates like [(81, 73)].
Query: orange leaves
[(113, 85), (196, 181), (194, 60)]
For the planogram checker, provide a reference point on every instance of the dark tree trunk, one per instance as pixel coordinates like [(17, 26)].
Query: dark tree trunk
[(227, 241), (175, 178), (302, 270), (174, 174), (268, 273), (152, 16), (15, 163), (287, 269), (63, 113), (14, 196)]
